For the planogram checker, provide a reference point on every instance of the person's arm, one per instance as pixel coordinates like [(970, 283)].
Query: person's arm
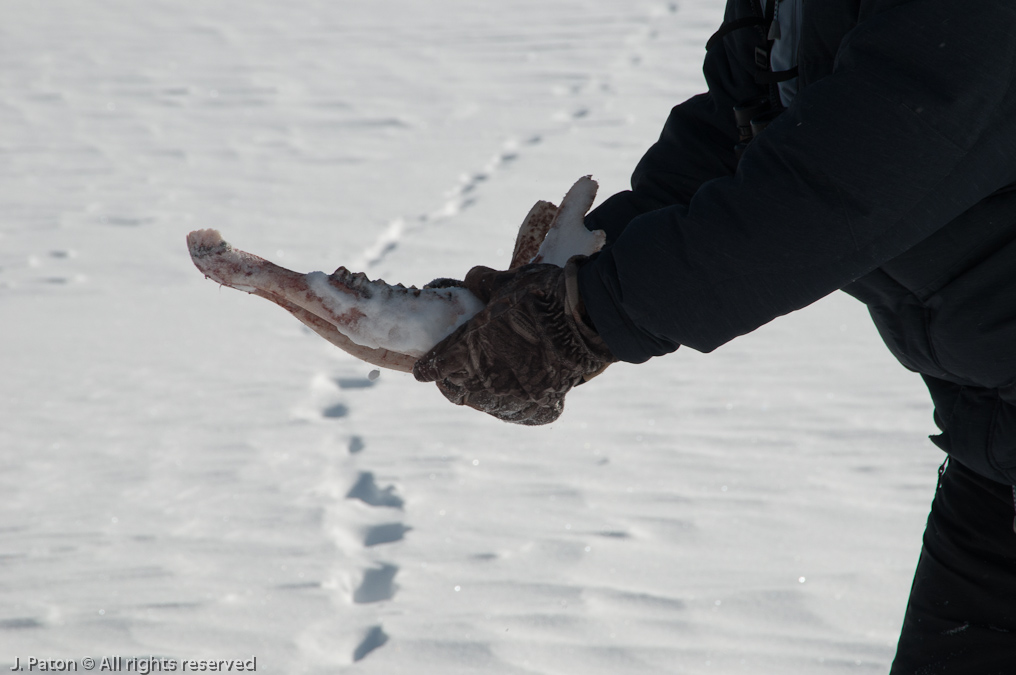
[(916, 124), (697, 141)]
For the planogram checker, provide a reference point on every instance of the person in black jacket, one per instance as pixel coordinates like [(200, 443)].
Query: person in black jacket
[(862, 145)]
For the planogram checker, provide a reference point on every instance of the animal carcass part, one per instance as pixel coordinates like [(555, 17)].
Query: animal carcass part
[(392, 326)]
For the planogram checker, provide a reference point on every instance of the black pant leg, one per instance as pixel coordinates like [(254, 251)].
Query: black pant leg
[(961, 618)]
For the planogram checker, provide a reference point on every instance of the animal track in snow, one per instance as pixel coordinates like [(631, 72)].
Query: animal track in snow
[(354, 382), (614, 534), (20, 623), (580, 99), (325, 401), (299, 586), (581, 105), (378, 584), (386, 533), (367, 491), (356, 445), (456, 200), (374, 638), (377, 578), (335, 411), (50, 268), (125, 221)]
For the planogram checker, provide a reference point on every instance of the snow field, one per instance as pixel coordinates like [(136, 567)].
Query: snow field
[(188, 472)]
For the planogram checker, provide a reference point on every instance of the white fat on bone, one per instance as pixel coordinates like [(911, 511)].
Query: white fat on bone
[(385, 325), (568, 235)]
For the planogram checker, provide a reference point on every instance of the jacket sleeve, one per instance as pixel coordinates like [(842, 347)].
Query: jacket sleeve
[(697, 141), (913, 126)]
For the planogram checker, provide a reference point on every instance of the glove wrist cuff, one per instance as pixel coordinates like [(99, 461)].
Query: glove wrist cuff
[(575, 308)]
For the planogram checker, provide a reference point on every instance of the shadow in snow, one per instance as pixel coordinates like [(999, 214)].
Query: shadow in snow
[(19, 623), (385, 534), (375, 638), (367, 491), (378, 585), (354, 383), (335, 411)]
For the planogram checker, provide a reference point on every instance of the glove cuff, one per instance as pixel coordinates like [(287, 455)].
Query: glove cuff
[(575, 309)]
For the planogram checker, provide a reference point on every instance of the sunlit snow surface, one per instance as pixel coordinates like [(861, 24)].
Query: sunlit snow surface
[(188, 473)]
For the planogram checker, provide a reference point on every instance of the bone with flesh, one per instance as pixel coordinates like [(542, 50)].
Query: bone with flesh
[(218, 260), (567, 235), (385, 325), (370, 314)]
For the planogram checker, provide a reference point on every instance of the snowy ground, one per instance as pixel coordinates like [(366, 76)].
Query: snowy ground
[(188, 473)]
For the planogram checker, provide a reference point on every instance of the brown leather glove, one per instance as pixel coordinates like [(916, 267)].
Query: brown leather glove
[(518, 357)]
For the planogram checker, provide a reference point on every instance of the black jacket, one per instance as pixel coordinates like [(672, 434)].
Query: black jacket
[(886, 177)]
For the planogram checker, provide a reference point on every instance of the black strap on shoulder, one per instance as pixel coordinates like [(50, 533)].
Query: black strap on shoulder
[(764, 75), (770, 14), (753, 117), (773, 77), (730, 26)]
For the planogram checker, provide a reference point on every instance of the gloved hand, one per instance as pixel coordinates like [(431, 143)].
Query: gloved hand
[(518, 357)]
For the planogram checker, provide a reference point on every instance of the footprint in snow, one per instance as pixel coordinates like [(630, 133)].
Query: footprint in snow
[(614, 534), (355, 382), (53, 267), (366, 490), (384, 534), (378, 585), (378, 582), (20, 623), (340, 410), (126, 221), (374, 638), (336, 411)]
